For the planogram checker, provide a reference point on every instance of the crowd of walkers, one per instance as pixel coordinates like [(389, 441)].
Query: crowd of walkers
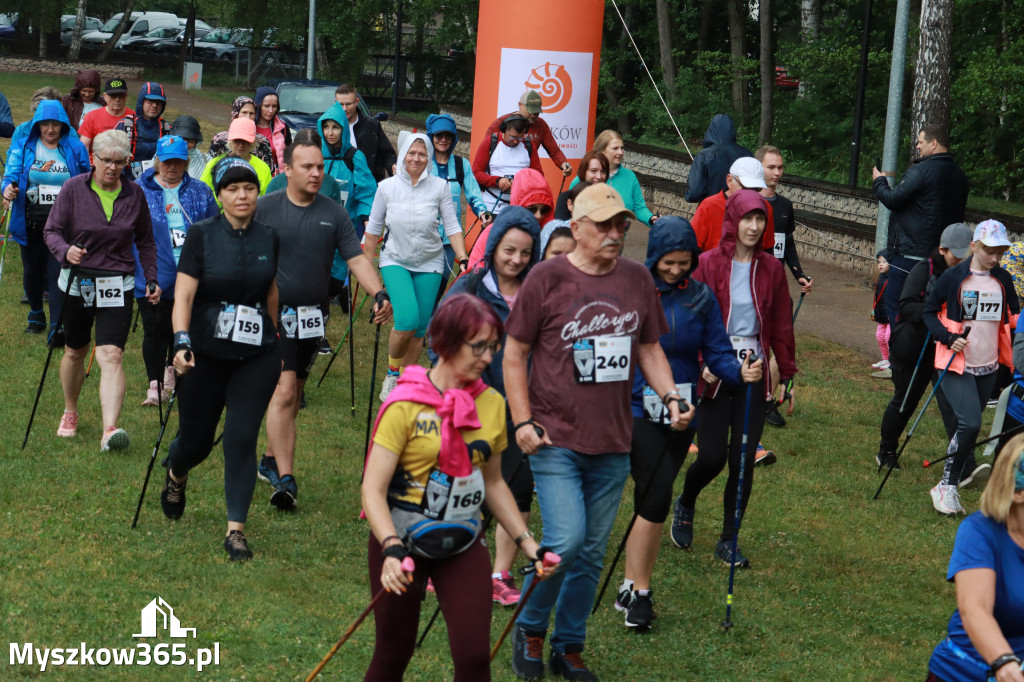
[(231, 256)]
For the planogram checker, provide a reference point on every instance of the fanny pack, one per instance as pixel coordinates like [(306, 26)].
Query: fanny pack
[(447, 521)]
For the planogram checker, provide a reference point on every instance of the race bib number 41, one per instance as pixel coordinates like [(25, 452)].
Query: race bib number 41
[(780, 246), (601, 359)]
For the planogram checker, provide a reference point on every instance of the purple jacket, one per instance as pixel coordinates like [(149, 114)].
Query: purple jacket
[(77, 217)]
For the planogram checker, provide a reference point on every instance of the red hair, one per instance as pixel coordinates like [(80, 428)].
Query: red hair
[(457, 320)]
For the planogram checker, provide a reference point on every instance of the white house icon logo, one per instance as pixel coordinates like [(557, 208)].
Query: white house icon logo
[(157, 610)]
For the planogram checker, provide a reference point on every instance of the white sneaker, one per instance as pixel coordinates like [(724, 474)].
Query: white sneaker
[(946, 499), (389, 385), (878, 365), (884, 364)]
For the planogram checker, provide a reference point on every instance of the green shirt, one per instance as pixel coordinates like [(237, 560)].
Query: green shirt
[(106, 198)]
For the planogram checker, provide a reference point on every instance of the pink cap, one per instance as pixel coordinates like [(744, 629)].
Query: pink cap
[(242, 129)]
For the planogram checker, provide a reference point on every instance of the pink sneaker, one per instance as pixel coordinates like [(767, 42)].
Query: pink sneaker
[(503, 589), (68, 425), (152, 395), (430, 585), (170, 379), (114, 439)]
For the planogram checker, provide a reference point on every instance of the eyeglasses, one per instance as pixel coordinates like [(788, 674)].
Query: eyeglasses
[(116, 163), (480, 346), (606, 225)]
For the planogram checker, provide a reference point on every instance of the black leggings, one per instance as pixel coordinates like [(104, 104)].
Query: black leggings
[(720, 437), (893, 421), (157, 336), (655, 459), (245, 387), (515, 469), (39, 272)]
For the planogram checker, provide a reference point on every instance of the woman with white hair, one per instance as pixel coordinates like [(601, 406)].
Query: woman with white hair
[(93, 224), (985, 638)]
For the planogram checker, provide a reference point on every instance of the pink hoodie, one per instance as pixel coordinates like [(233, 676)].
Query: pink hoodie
[(528, 188)]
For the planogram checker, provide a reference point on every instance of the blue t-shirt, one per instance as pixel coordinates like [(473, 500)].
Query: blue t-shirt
[(56, 171), (983, 543), (175, 219)]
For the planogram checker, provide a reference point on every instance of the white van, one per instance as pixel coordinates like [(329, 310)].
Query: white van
[(141, 23)]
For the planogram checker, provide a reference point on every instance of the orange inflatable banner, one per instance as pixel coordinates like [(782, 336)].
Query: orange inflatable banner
[(553, 48)]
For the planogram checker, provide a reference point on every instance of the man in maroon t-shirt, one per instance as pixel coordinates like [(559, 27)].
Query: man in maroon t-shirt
[(540, 133), (101, 120), (586, 321)]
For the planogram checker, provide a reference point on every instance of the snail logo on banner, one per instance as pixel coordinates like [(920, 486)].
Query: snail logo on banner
[(563, 81)]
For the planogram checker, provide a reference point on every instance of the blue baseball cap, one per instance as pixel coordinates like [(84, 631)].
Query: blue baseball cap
[(171, 147)]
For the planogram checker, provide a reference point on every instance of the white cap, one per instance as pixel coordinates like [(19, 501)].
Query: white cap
[(749, 172)]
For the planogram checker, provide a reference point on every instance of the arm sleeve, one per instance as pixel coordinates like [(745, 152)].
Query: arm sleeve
[(495, 126), (364, 187), (912, 295), (903, 193), (550, 145), (535, 160), (936, 301), (393, 427), (480, 163), (144, 241), (6, 120), (446, 208), (472, 189), (696, 182), (375, 225), (974, 547), (527, 317), (1018, 345), (639, 205), (191, 260), (346, 240), (789, 255), (783, 343), (654, 324), (14, 161)]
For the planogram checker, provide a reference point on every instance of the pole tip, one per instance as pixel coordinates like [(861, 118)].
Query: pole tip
[(727, 625), (926, 464)]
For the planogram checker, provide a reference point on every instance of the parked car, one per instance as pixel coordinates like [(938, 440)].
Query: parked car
[(183, 21), (67, 27), (8, 26), (303, 102), (166, 45), (221, 43), (141, 23), (783, 81)]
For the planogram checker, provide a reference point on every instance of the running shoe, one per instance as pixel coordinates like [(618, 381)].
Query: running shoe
[(882, 374), (114, 439), (68, 425), (764, 457), (682, 525), (527, 654), (286, 493), (24, 298), (693, 449), (569, 664), (36, 322), (267, 471), (884, 460), (389, 385), (503, 589), (623, 600), (236, 546), (881, 364), (724, 552), (172, 497), (946, 499), (325, 347), (430, 586), (640, 613), (773, 416), (975, 472), (152, 395)]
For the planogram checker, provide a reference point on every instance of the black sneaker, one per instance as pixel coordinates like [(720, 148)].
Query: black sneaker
[(236, 546), (724, 553), (302, 399), (286, 493), (267, 471), (974, 472), (24, 298), (641, 611), (570, 666), (623, 600), (325, 347), (172, 498), (36, 322), (886, 459), (527, 654), (774, 417), (682, 525)]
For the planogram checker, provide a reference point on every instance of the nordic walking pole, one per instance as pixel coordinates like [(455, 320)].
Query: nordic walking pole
[(373, 382), (487, 522), (549, 560), (913, 376), (408, 566), (7, 236), (343, 338), (351, 346), (798, 304), (910, 434), (636, 513), (156, 448), (72, 272), (135, 322), (92, 356), (929, 462), (727, 623)]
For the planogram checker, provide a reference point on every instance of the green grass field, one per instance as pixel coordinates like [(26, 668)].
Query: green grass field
[(841, 587)]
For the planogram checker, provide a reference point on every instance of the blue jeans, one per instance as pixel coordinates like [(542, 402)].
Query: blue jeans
[(579, 497)]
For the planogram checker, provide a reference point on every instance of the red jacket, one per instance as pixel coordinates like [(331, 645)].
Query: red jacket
[(539, 133), (708, 223), (768, 288), (482, 162)]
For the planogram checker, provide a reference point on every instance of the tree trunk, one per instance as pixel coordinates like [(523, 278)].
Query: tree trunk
[(668, 66), (126, 19), (810, 19), (188, 37), (767, 72), (931, 75), (707, 11), (76, 35), (740, 98), (42, 43)]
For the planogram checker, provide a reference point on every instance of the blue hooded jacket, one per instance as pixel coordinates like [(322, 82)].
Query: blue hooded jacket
[(358, 185), (483, 281), (22, 155), (707, 174), (696, 331), (443, 123), (147, 131), (197, 203)]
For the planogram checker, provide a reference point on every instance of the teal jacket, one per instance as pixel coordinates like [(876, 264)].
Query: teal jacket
[(357, 185), (625, 183)]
